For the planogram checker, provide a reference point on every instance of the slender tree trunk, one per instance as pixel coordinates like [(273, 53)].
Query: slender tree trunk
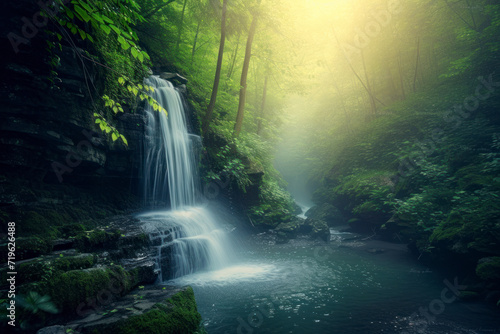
[(416, 66), (342, 101), (244, 74), (181, 26), (213, 98), (368, 90), (235, 55), (401, 81), (195, 39), (373, 105), (262, 107)]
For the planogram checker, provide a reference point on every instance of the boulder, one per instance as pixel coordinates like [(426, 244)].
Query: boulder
[(327, 213), (316, 229)]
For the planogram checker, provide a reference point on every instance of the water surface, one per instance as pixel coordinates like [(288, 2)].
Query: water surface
[(341, 287)]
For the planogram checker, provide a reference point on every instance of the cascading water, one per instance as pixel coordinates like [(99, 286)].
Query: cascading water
[(188, 236)]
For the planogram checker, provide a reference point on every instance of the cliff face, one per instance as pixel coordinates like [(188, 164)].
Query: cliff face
[(51, 152)]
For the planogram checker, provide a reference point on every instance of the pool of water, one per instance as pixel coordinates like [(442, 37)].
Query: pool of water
[(341, 287)]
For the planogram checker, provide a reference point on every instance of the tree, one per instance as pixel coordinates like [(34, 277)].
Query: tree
[(244, 75), (213, 98)]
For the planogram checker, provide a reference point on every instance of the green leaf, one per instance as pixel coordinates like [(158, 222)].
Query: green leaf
[(86, 6), (135, 53), (105, 28), (124, 139), (83, 14), (121, 80), (83, 35), (114, 136), (115, 29), (107, 19), (97, 17)]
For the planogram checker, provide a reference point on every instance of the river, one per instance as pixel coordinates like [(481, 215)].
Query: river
[(343, 287)]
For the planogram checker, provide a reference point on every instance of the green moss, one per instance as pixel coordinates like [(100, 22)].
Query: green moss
[(488, 269), (69, 289), (179, 315), (33, 223), (31, 271), (31, 247), (68, 263), (71, 230), (98, 239)]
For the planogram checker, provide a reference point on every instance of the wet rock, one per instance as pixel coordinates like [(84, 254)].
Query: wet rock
[(327, 213), (316, 228), (53, 330)]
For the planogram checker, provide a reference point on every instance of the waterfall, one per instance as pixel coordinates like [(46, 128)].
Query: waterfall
[(169, 164), (189, 237)]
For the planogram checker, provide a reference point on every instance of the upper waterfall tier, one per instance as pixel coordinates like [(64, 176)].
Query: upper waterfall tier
[(169, 163)]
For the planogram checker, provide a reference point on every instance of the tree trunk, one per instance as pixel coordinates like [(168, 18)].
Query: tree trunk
[(401, 82), (211, 105), (244, 74), (262, 107), (181, 25), (373, 105), (195, 39), (416, 66), (235, 55)]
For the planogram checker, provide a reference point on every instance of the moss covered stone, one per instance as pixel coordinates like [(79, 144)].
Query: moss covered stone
[(150, 309), (97, 239), (67, 263), (30, 247), (488, 268), (70, 290), (178, 315)]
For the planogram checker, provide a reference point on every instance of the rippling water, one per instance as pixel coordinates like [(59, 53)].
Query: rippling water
[(308, 287)]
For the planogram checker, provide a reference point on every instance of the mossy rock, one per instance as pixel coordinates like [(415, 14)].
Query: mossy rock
[(146, 310), (316, 229), (70, 290), (97, 240), (30, 247), (289, 230), (178, 315), (67, 263), (326, 212), (488, 269)]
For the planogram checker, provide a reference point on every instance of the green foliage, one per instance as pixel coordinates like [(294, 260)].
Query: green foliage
[(34, 303), (489, 269), (108, 26), (275, 206)]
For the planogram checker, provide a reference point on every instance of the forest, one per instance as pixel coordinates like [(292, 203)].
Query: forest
[(250, 166)]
